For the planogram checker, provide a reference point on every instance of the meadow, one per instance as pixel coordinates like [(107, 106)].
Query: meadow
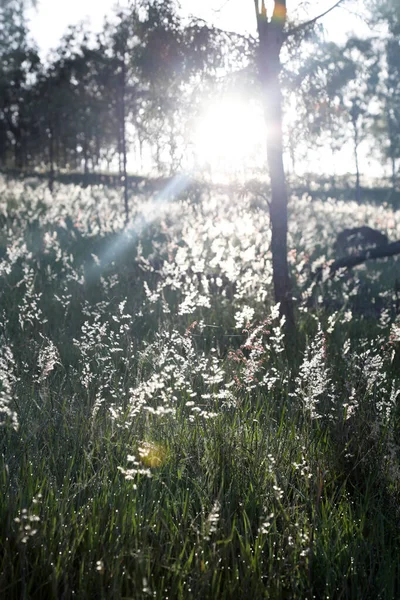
[(158, 438)]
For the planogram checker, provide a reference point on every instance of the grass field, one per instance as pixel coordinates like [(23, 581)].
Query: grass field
[(157, 441)]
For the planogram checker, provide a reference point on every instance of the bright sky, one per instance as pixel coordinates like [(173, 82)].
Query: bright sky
[(52, 17)]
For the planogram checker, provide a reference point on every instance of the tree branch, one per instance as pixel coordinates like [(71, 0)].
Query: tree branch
[(348, 262), (314, 20), (226, 32)]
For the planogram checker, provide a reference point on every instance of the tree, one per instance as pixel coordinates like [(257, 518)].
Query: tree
[(155, 60), (173, 60), (391, 103), (358, 94), (387, 123), (313, 85), (272, 35), (19, 64), (22, 3), (271, 38), (122, 42)]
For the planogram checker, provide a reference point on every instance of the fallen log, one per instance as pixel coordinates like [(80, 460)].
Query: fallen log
[(347, 262)]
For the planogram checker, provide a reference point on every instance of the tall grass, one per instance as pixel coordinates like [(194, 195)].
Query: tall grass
[(156, 441)]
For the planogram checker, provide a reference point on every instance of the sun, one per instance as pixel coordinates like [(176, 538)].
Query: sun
[(228, 139)]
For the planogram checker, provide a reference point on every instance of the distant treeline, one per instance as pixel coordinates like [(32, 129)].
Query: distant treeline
[(374, 195), (321, 188), (134, 91), (131, 90), (136, 182)]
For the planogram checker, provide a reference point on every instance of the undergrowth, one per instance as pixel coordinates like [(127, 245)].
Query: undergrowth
[(156, 440)]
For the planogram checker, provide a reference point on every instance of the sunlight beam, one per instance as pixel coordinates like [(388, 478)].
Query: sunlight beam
[(130, 235)]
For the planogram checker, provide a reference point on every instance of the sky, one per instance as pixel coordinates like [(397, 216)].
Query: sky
[(51, 18)]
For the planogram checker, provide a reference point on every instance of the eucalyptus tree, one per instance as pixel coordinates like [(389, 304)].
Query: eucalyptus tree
[(358, 94), (123, 40), (177, 62), (57, 116), (315, 89), (159, 62), (272, 35), (19, 64), (390, 94), (387, 125), (76, 112)]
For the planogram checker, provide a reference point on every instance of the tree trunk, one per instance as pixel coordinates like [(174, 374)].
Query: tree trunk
[(123, 139), (355, 114), (269, 65), (393, 174), (119, 143), (51, 159), (17, 150), (357, 163), (85, 158), (56, 135)]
